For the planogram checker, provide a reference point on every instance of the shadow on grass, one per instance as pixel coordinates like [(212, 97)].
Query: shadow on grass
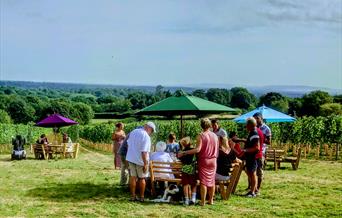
[(78, 192)]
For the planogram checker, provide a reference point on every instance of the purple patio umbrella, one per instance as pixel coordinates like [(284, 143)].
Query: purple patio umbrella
[(55, 121)]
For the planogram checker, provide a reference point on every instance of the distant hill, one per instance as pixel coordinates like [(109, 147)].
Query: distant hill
[(290, 91)]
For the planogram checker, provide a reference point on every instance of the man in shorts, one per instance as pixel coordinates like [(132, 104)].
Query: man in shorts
[(252, 147), (139, 146), (265, 140)]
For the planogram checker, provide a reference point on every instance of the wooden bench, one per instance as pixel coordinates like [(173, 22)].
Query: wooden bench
[(47, 151), (277, 156), (294, 160), (228, 187), (175, 168), (161, 168), (242, 167), (73, 152), (40, 151)]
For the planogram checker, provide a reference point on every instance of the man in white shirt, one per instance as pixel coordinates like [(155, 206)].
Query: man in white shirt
[(139, 146)]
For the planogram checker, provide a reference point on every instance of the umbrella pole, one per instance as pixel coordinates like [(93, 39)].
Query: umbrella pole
[(181, 119)]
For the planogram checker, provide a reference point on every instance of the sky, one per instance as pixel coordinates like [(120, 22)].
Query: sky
[(173, 42)]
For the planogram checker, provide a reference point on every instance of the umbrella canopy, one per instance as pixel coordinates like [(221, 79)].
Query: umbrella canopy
[(56, 120), (184, 105), (269, 115)]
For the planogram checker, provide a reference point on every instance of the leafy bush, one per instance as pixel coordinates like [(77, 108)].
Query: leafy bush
[(306, 130), (4, 117)]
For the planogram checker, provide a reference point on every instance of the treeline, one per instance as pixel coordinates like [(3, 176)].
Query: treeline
[(18, 105)]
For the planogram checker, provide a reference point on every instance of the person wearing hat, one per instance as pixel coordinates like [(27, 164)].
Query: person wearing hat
[(161, 156), (265, 140), (139, 146)]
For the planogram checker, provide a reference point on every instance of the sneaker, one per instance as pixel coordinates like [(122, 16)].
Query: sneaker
[(186, 203), (251, 195), (192, 202), (133, 199)]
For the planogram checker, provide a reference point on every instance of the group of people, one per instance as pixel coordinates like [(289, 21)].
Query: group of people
[(214, 152)]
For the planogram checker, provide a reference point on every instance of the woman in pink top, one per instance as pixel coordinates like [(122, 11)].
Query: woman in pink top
[(207, 149)]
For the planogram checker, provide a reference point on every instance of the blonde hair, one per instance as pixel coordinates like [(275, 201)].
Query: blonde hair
[(224, 142), (251, 121), (186, 141), (205, 123)]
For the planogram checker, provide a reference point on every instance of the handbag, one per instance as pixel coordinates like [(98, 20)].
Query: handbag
[(190, 168)]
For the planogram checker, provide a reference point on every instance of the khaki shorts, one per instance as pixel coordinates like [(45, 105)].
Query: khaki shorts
[(260, 171), (137, 170)]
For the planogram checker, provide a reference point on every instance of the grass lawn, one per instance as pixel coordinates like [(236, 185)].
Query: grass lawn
[(89, 187)]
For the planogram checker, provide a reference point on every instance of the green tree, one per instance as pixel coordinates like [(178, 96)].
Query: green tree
[(59, 106), (220, 96), (313, 101), (330, 109), (242, 98), (4, 117), (82, 113), (275, 100), (199, 93), (295, 106), (21, 112), (4, 101), (338, 99)]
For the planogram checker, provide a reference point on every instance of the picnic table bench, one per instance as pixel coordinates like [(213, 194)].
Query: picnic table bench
[(43, 151), (278, 155), (175, 168)]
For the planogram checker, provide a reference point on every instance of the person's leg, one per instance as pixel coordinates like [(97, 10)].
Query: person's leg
[(222, 191), (211, 192), (186, 191), (132, 180), (142, 185), (260, 173), (186, 194), (203, 194), (253, 179), (132, 186), (142, 181), (114, 153), (123, 174), (193, 193)]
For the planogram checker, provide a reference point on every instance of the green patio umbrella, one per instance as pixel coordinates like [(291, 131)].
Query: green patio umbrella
[(184, 104)]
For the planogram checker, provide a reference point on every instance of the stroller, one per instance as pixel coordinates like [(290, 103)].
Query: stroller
[(18, 152)]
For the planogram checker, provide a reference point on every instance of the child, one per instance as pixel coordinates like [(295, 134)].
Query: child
[(188, 178), (171, 146)]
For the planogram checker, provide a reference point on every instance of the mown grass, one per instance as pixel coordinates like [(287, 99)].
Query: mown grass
[(89, 187)]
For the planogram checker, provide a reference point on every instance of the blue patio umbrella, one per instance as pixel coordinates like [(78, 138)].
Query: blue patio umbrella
[(270, 115)]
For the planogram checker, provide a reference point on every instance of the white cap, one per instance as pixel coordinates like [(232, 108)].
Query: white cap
[(160, 146), (222, 133), (152, 125)]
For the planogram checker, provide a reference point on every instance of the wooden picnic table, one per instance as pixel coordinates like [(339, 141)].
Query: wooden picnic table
[(49, 150)]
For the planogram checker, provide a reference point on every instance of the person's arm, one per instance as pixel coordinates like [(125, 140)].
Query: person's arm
[(195, 150), (268, 137), (145, 160), (256, 147), (238, 140)]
